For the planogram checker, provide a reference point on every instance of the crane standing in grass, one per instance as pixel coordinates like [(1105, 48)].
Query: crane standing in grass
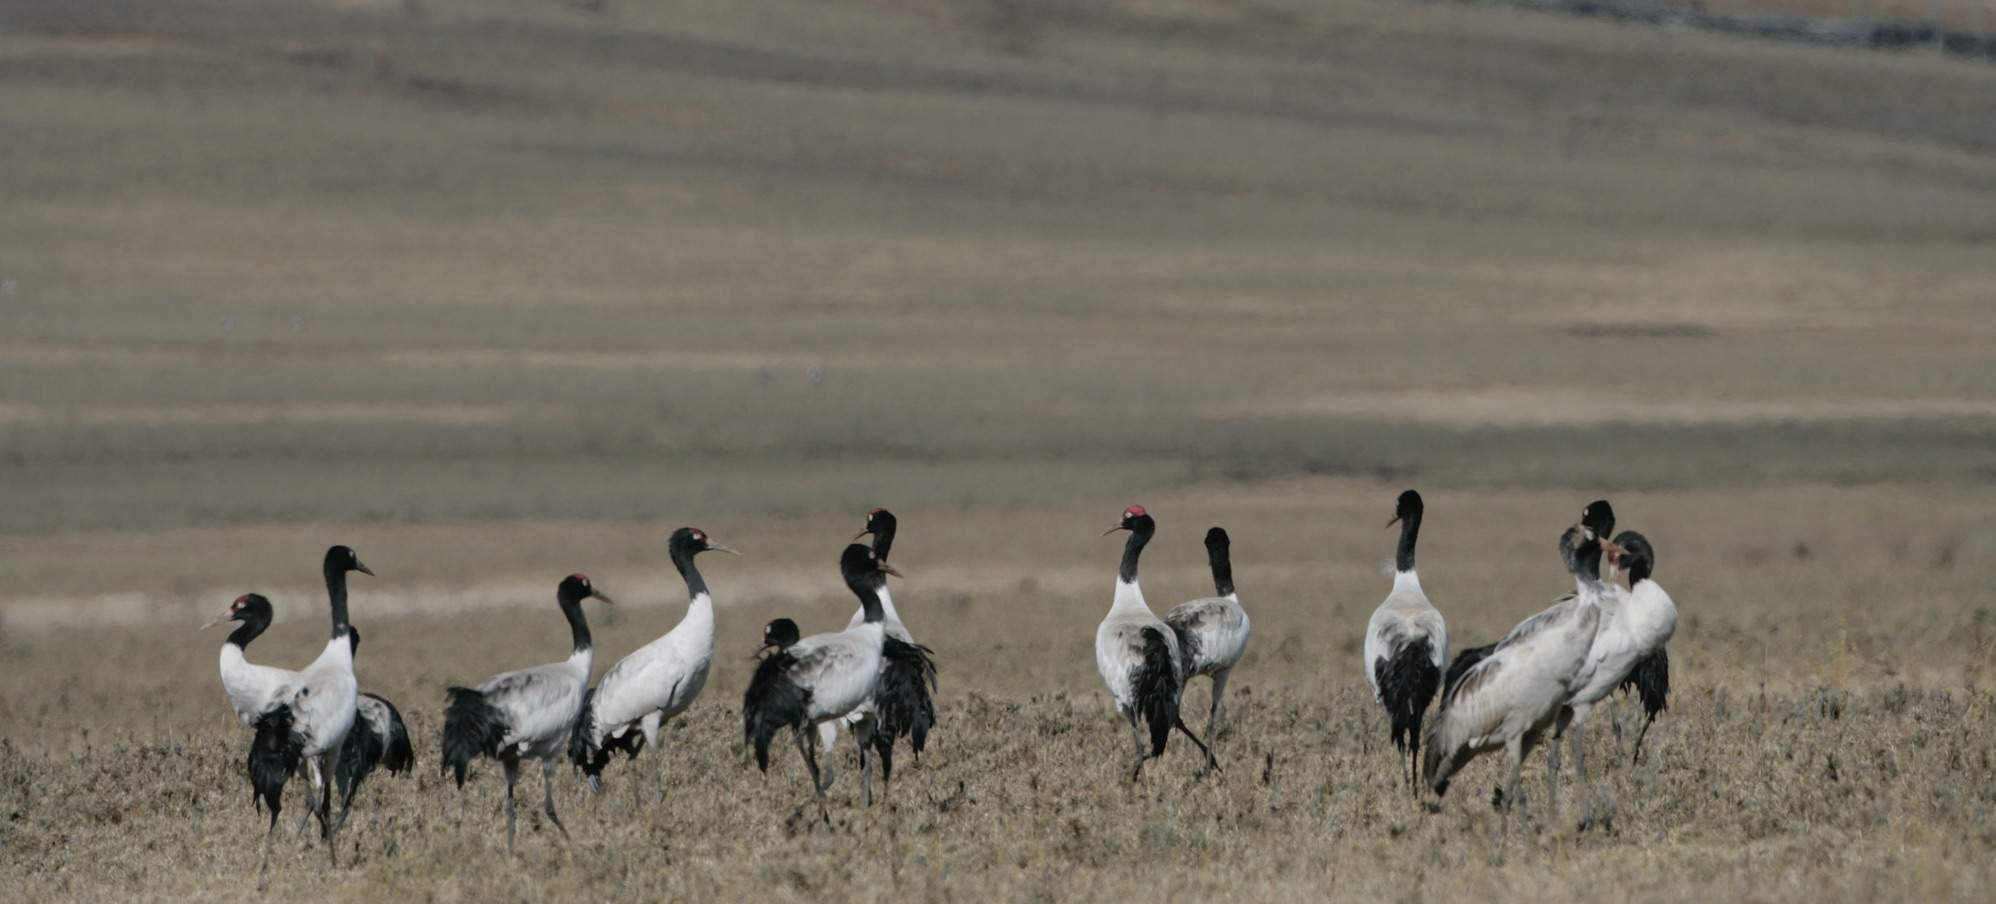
[(1212, 633), (1510, 698), (822, 677), (379, 739), (525, 714), (1406, 642), (307, 719), (1137, 653), (656, 682), (1648, 606)]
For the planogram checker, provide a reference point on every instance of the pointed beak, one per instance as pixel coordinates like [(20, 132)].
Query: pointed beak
[(716, 547), (862, 533), (889, 569), (220, 619), (598, 594), (1113, 528), (1396, 520), (361, 567)]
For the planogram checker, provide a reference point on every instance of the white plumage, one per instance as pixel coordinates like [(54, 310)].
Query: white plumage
[(1634, 624), (304, 715), (525, 714), (1137, 654), (659, 680), (822, 677), (1212, 633), (1509, 698), (1406, 642), (253, 690)]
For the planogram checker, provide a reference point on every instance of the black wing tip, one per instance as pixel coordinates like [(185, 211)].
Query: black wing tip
[(903, 705), (472, 728), (1407, 684), (1156, 687), (1651, 680), (772, 702), (1461, 664)]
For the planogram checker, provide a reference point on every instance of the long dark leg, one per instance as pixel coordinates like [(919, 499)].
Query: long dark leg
[(346, 800), (1213, 717), (1560, 724), (806, 740), (512, 765), (312, 800), (1640, 732), (1580, 769), (332, 767), (1137, 771), (1414, 759), (1211, 761), (263, 872), (547, 796), (862, 735), (886, 752), (1515, 748)]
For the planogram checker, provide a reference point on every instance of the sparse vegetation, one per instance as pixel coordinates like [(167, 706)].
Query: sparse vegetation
[(501, 291)]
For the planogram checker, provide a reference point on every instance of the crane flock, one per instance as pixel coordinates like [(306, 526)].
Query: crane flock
[(873, 681)]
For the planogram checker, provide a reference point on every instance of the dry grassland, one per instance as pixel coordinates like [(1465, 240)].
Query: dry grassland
[(497, 291)]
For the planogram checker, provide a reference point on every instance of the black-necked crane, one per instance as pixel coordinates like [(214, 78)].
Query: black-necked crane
[(1137, 653), (1406, 642), (822, 677), (1598, 517), (1653, 615), (379, 739), (525, 714), (308, 719), (902, 705), (1212, 633), (1633, 628), (258, 694), (1510, 698), (657, 681), (780, 634), (253, 690)]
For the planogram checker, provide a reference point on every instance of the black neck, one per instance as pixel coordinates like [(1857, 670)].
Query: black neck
[(336, 591), (1587, 562), (1639, 570), (1139, 535), (1223, 570), (869, 597), (252, 627), (883, 540), (1410, 533), (682, 559), (578, 625)]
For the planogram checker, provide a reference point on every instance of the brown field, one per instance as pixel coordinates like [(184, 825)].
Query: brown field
[(498, 291)]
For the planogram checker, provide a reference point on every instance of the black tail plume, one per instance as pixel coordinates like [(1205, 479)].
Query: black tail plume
[(472, 728), (592, 758), (359, 754), (400, 755), (772, 702), (274, 755), (1463, 662), (903, 706), (1651, 680), (579, 748), (1406, 683), (1156, 689)]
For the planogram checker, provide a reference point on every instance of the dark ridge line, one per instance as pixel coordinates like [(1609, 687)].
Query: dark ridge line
[(1852, 33)]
